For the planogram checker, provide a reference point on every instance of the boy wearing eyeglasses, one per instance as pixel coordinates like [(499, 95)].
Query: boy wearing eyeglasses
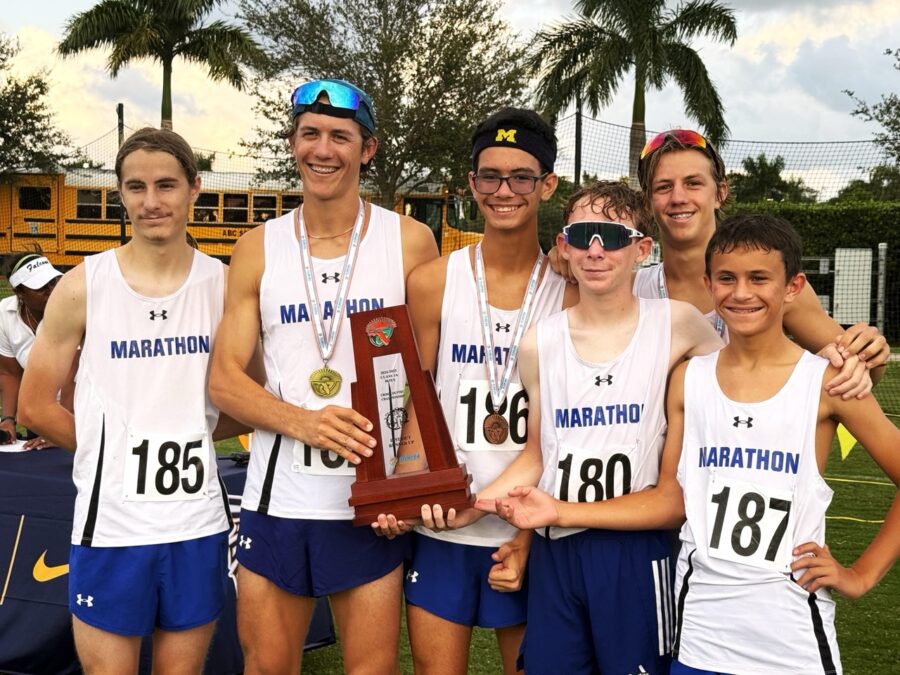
[(469, 311), (294, 280), (599, 601)]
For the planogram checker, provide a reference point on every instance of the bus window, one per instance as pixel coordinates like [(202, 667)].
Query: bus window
[(87, 204), (428, 211), (234, 210), (290, 202), (263, 208), (206, 208), (34, 198), (113, 205)]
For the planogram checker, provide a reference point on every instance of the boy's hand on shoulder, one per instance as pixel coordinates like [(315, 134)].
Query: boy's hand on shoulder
[(864, 341), (820, 570)]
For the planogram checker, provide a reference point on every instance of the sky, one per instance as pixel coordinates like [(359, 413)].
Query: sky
[(783, 79)]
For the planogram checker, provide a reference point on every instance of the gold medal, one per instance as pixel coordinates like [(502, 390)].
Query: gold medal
[(325, 382), (495, 429)]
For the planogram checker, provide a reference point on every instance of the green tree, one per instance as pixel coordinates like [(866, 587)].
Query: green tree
[(434, 69), (886, 113), (586, 58), (28, 137), (761, 181), (162, 30), (883, 185)]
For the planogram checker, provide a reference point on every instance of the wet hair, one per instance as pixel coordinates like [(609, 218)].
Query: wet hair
[(614, 200), (518, 118), (761, 233), (159, 140)]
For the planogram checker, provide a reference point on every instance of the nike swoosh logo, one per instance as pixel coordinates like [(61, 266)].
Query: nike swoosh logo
[(42, 572)]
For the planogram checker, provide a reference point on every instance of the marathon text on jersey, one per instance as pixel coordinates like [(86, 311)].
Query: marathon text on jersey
[(749, 458), (465, 353), (299, 313), (599, 416), (167, 346)]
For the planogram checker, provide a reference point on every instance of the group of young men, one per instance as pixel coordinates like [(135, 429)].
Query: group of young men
[(582, 448)]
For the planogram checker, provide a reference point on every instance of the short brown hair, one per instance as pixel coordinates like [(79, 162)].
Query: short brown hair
[(159, 140), (672, 144), (613, 198)]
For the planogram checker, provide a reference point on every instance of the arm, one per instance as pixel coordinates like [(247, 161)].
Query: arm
[(10, 379), (692, 334), (881, 438), (860, 352), (238, 395), (50, 362)]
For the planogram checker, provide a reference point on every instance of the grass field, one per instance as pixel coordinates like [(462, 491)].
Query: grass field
[(868, 629)]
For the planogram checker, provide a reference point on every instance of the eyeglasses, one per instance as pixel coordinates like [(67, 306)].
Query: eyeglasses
[(340, 95), (687, 138), (612, 236), (521, 184)]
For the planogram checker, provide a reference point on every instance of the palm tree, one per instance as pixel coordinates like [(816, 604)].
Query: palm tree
[(586, 58), (162, 30)]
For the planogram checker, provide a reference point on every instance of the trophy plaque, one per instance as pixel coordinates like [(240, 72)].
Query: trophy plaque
[(390, 384)]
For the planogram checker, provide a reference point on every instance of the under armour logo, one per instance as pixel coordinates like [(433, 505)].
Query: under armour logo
[(412, 576), (330, 277), (245, 542), (502, 326), (158, 315), (738, 422), (607, 380), (80, 600)]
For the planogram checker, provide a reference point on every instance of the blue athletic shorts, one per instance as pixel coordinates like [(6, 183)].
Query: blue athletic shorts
[(314, 558), (450, 580), (131, 590), (679, 668), (600, 602)]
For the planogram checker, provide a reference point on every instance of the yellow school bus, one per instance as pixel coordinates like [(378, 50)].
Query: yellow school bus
[(70, 215)]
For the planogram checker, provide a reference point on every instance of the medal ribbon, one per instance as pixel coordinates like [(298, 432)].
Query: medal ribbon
[(499, 389), (719, 323), (327, 344)]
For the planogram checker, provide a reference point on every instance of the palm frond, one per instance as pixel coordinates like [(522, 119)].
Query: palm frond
[(702, 17), (701, 99), (221, 48), (101, 25)]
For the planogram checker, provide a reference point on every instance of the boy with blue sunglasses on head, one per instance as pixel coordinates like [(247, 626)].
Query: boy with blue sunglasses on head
[(599, 601), (294, 280)]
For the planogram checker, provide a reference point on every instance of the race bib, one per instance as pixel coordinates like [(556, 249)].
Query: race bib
[(166, 467), (592, 476), (317, 462), (473, 405), (750, 524)]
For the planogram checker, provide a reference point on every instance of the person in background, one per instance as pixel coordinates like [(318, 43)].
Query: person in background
[(32, 279)]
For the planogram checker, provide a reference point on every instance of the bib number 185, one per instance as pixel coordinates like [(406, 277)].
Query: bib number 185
[(158, 468)]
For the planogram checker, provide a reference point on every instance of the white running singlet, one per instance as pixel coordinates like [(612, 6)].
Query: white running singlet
[(650, 282), (752, 492), (287, 478), (145, 466), (464, 388), (603, 425)]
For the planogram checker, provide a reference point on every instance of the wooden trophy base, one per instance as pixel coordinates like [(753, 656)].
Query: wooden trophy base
[(404, 494)]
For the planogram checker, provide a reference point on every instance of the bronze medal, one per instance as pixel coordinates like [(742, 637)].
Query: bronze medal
[(325, 382), (495, 428)]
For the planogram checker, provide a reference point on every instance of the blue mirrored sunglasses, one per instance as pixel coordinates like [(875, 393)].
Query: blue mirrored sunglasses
[(340, 95)]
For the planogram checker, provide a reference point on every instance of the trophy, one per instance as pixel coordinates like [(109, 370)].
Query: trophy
[(390, 384)]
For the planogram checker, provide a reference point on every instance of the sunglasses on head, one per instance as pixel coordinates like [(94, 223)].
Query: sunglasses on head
[(612, 236), (686, 137), (340, 95)]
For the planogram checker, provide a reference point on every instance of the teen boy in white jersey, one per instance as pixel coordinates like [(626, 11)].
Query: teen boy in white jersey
[(750, 430), (477, 302), (294, 280), (149, 541), (595, 376)]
